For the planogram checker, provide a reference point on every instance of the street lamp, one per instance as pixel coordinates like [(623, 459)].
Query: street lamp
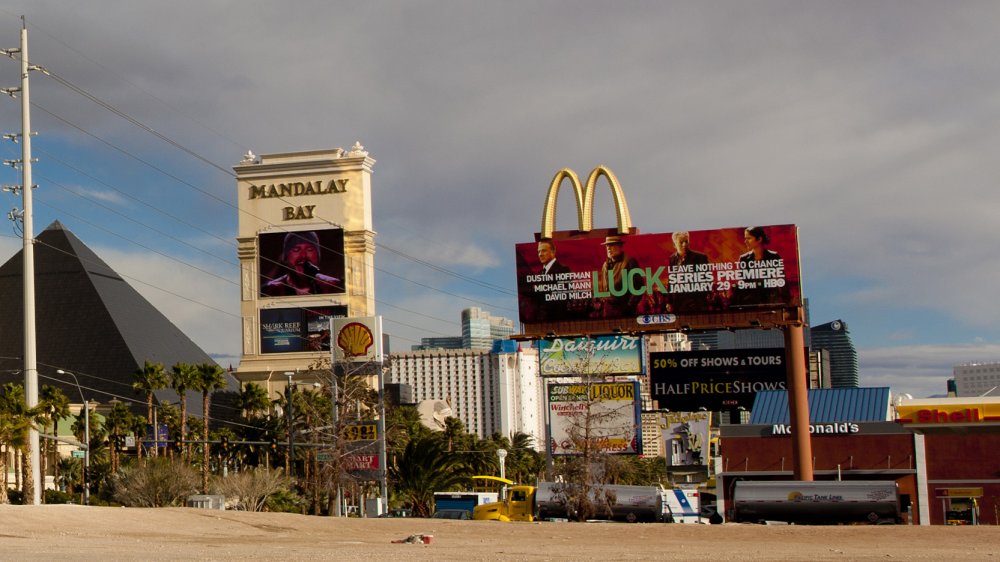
[(86, 436), (290, 459), (502, 455)]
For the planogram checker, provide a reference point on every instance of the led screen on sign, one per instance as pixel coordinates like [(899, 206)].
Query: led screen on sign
[(613, 355), (286, 330), (716, 379), (307, 262), (626, 276), (606, 412)]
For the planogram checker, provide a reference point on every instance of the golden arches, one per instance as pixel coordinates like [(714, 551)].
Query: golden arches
[(585, 200)]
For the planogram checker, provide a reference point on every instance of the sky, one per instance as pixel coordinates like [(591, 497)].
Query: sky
[(872, 125)]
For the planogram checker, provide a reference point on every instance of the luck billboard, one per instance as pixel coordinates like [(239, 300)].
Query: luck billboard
[(715, 379), (606, 413), (626, 276)]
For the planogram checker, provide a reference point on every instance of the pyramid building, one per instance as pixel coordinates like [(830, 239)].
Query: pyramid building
[(90, 322)]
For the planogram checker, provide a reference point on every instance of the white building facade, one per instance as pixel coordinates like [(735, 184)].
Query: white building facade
[(490, 392), (977, 379)]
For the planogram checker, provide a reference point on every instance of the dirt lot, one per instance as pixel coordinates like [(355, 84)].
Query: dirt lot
[(73, 532)]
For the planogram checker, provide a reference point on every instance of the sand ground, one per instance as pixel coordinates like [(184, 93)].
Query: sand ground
[(73, 532)]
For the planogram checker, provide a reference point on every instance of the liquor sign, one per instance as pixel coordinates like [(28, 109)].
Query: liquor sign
[(607, 412)]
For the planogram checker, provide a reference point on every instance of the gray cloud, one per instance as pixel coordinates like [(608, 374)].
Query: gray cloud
[(867, 124)]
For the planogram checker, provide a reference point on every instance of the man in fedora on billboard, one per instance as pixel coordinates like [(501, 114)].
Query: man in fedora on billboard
[(613, 271)]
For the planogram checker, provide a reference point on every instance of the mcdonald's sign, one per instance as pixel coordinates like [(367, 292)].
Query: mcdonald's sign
[(619, 274)]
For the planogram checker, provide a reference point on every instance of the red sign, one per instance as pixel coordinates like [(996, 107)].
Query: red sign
[(626, 276), (361, 462)]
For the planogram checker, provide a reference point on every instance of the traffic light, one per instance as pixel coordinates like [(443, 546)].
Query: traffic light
[(274, 446), (225, 444), (178, 444)]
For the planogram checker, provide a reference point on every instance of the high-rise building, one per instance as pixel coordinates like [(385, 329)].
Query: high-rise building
[(443, 342), (836, 339), (491, 392), (480, 328), (977, 379)]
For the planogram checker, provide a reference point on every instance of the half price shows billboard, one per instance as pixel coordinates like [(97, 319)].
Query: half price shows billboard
[(607, 412), (695, 272), (716, 379)]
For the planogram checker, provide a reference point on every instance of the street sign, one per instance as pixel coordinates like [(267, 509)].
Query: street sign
[(647, 319), (78, 454), (324, 457)]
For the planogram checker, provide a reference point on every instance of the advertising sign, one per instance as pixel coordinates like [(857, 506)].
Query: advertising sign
[(607, 412), (656, 275), (686, 436), (286, 330), (613, 355), (715, 379), (357, 339), (308, 262), (361, 459), (945, 412)]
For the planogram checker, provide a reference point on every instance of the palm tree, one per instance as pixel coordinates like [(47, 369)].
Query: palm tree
[(12, 430), (181, 380), (253, 401), (453, 429), (424, 468), (54, 405), (208, 378), (118, 422), (13, 403), (148, 380)]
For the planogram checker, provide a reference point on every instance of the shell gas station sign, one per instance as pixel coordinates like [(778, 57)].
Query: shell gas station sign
[(945, 412)]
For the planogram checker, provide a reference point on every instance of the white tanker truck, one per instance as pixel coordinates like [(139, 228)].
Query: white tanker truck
[(548, 500), (818, 503)]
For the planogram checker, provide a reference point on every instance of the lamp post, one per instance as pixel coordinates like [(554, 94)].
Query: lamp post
[(290, 459), (502, 455), (86, 436)]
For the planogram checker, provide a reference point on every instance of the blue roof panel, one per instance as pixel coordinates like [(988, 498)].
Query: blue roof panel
[(826, 405)]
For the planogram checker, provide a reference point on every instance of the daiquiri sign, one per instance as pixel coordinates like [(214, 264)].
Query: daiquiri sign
[(612, 355)]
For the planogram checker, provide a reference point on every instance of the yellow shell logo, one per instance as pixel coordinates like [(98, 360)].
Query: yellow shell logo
[(354, 339), (794, 496)]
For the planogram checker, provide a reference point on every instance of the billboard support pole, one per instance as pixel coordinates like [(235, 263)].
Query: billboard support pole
[(798, 400)]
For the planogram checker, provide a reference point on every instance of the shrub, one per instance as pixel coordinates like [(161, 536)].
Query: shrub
[(158, 483), (56, 496), (250, 490)]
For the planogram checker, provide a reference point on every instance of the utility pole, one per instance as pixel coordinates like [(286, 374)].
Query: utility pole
[(30, 359)]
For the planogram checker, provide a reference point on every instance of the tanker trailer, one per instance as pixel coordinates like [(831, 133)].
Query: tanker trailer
[(817, 503)]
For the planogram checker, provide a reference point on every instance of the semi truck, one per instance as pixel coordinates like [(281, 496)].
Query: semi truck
[(463, 500), (817, 503), (547, 501)]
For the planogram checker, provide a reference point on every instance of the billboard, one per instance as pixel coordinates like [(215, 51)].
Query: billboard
[(607, 412), (357, 339), (686, 437), (716, 379), (627, 276), (613, 355), (307, 262), (287, 330)]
